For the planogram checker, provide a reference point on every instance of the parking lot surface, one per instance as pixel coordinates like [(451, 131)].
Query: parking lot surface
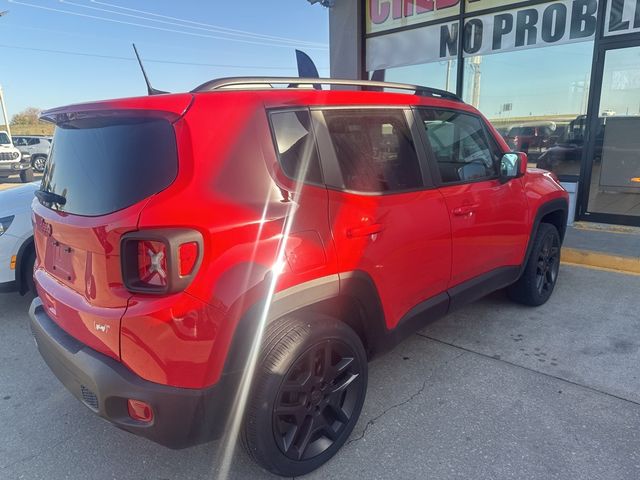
[(14, 181), (494, 391)]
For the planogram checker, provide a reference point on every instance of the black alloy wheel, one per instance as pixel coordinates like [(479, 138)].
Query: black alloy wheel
[(307, 393), (540, 274), (317, 400), (548, 264)]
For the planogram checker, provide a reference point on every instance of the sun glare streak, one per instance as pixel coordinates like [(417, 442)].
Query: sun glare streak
[(234, 424)]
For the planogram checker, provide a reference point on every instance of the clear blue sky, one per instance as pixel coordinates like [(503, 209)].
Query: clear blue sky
[(184, 31)]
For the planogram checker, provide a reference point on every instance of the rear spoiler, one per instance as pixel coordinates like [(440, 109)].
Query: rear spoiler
[(170, 107)]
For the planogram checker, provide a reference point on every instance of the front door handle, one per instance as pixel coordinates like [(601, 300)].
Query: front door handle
[(364, 231), (465, 209)]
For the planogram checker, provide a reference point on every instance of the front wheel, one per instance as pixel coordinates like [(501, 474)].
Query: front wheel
[(26, 176), (307, 396), (538, 280), (38, 162)]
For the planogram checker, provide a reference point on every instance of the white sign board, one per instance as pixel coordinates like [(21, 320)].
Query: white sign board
[(554, 23)]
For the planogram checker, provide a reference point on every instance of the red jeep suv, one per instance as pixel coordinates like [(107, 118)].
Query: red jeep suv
[(235, 255)]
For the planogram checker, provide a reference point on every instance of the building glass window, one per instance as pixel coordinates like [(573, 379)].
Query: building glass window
[(615, 173), (537, 99), (440, 75)]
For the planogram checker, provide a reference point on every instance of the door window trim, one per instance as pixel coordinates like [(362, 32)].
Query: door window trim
[(431, 158)]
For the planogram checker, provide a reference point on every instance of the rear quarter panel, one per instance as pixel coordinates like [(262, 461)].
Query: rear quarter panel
[(231, 190)]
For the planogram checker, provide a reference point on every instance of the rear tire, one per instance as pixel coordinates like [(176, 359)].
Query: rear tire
[(26, 176), (27, 272), (538, 280), (307, 395)]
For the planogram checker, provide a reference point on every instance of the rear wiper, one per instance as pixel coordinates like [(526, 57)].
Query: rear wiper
[(50, 197)]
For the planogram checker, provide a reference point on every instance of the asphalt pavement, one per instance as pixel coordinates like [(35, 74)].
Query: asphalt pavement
[(14, 181), (494, 391)]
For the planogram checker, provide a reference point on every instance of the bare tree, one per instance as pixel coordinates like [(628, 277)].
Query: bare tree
[(29, 116)]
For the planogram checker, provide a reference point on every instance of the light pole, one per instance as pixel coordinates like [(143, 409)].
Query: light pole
[(4, 112), (4, 108)]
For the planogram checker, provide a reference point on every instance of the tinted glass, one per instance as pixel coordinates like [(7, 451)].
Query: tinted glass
[(4, 138), (460, 146), (107, 164), (296, 145), (374, 150)]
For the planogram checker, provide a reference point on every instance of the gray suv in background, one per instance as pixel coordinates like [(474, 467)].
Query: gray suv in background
[(37, 147)]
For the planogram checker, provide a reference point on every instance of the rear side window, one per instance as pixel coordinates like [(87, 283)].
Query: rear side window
[(101, 165), (374, 150), (296, 146), (460, 146)]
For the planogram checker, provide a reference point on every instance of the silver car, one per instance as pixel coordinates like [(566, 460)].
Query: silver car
[(37, 147)]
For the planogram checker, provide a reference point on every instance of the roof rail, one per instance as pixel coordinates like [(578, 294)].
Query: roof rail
[(221, 83)]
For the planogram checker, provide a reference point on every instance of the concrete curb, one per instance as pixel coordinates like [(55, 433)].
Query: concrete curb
[(588, 258)]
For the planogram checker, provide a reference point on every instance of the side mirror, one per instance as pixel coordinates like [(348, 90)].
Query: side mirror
[(513, 165)]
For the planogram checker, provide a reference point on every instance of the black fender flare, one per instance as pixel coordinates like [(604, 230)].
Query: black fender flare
[(558, 204), (284, 302), (335, 292)]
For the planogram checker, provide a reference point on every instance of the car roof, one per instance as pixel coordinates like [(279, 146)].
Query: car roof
[(250, 89)]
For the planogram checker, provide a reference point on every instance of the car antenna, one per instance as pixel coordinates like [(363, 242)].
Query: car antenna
[(150, 89)]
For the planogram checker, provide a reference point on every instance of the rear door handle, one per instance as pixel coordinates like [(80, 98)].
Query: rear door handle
[(465, 209), (364, 231)]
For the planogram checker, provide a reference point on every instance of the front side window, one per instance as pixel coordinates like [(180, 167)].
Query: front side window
[(374, 150), (295, 144), (4, 139), (460, 146)]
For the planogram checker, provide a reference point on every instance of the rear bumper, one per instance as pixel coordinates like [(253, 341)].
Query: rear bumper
[(182, 417)]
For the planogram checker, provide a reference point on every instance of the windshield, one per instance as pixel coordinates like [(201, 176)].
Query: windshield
[(4, 139), (101, 165)]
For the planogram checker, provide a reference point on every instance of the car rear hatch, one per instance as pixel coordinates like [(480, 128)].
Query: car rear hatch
[(107, 160)]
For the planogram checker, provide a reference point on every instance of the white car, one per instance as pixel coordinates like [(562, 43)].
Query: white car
[(13, 161), (37, 147), (17, 253)]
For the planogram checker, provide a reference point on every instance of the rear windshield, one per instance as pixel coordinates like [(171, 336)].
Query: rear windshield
[(102, 165)]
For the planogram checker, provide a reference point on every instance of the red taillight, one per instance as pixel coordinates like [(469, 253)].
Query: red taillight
[(139, 410), (152, 263), (160, 261), (188, 257)]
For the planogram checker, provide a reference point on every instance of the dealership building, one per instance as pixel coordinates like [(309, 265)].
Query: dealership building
[(559, 80)]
